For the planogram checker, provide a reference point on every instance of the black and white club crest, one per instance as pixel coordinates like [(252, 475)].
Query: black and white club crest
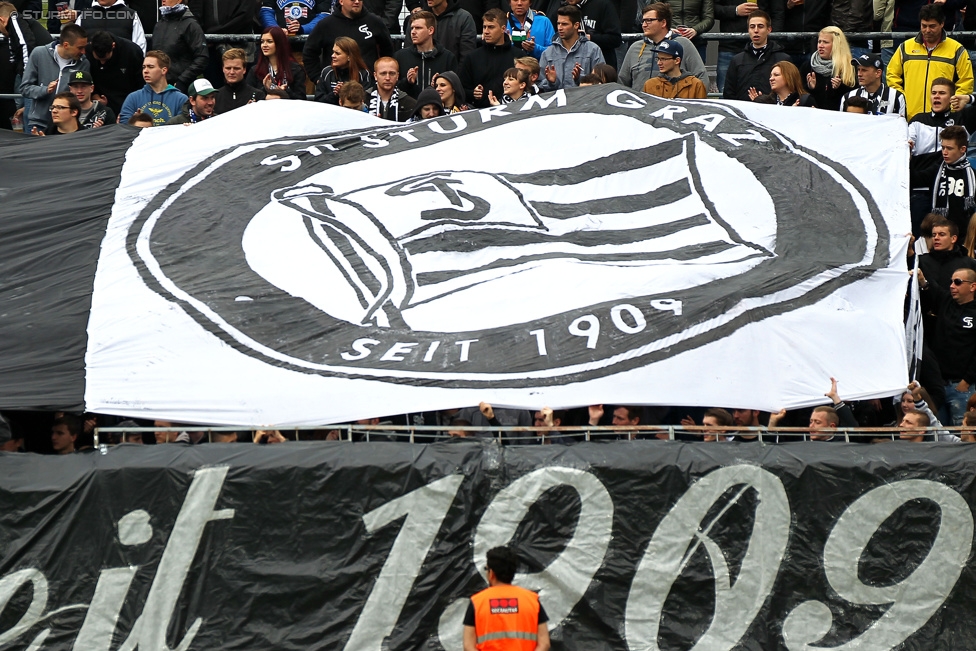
[(569, 237)]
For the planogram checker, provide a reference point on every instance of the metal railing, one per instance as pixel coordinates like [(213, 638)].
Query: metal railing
[(108, 436)]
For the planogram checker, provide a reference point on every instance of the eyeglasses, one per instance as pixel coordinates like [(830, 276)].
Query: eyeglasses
[(55, 107), (960, 281), (664, 58), (650, 20)]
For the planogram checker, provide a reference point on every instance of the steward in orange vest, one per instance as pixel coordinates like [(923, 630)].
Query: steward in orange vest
[(505, 617)]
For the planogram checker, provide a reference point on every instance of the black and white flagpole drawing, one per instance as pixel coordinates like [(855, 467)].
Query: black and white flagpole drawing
[(642, 242)]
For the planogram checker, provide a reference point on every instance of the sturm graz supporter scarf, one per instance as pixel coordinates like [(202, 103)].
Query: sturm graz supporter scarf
[(953, 191), (376, 105)]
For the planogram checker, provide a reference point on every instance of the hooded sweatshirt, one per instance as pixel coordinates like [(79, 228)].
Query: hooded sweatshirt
[(427, 96), (43, 68), (428, 64), (162, 107), (459, 96)]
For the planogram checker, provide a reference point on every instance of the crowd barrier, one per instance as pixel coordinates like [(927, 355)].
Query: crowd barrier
[(530, 435)]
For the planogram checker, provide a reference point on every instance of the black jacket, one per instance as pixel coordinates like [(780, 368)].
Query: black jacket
[(148, 11), (388, 10), (749, 71), (825, 95), (295, 90), (457, 31), (399, 109), (486, 67), (226, 16), (120, 75), (938, 266), (734, 23), (600, 22), (811, 16), (954, 342), (368, 30), (232, 96), (181, 37), (428, 64), (852, 15), (331, 77)]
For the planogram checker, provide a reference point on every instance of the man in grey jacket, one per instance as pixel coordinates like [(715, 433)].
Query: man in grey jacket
[(570, 56), (640, 62), (49, 70)]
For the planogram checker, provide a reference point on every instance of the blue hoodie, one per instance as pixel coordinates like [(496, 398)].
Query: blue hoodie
[(163, 106)]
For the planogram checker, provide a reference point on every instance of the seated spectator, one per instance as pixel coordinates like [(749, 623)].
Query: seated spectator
[(715, 419), (746, 418), (624, 416), (113, 16), (235, 93), (448, 86), (531, 66), (130, 437), (914, 423), (65, 110), (482, 71), (200, 105), (823, 419), (353, 96), (549, 418), (94, 114), (883, 99), (140, 120), (180, 36), (514, 86), (570, 56), (530, 30), (275, 67), (64, 432), (857, 105), (606, 72), (49, 70), (955, 183), (347, 65), (640, 62), (277, 93), (750, 71), (429, 106), (116, 68), (460, 433), (422, 59), (672, 83), (157, 98), (386, 100), (828, 72), (785, 86), (590, 80)]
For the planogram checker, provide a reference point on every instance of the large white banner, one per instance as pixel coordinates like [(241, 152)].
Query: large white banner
[(290, 263)]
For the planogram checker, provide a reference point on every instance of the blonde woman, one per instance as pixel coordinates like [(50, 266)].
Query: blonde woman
[(828, 72)]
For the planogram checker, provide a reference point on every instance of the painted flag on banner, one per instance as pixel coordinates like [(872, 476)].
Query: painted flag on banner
[(302, 264)]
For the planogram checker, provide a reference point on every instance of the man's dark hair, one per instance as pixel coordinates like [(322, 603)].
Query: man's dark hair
[(71, 33), (140, 117), (429, 19), (939, 221), (723, 417), (832, 416), (859, 102), (923, 418), (494, 15), (759, 13), (572, 12), (280, 93), (943, 81), (73, 104), (932, 12), (956, 134), (101, 43), (72, 422), (503, 561), (606, 72), (591, 79), (662, 10), (632, 412)]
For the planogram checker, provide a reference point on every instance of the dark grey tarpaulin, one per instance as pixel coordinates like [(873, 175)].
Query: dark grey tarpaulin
[(55, 202), (634, 545)]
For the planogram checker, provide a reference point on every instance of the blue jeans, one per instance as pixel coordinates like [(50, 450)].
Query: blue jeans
[(955, 405), (860, 51), (724, 59)]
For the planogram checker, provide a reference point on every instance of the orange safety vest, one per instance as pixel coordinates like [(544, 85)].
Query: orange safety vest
[(506, 618)]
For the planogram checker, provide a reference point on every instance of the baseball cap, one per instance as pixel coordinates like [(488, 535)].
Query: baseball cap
[(80, 77), (201, 87), (869, 60), (672, 48)]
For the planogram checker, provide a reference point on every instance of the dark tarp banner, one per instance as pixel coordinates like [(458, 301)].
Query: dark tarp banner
[(281, 252), (55, 201), (632, 545)]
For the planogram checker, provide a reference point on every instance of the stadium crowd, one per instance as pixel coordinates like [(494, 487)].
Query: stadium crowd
[(89, 64)]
